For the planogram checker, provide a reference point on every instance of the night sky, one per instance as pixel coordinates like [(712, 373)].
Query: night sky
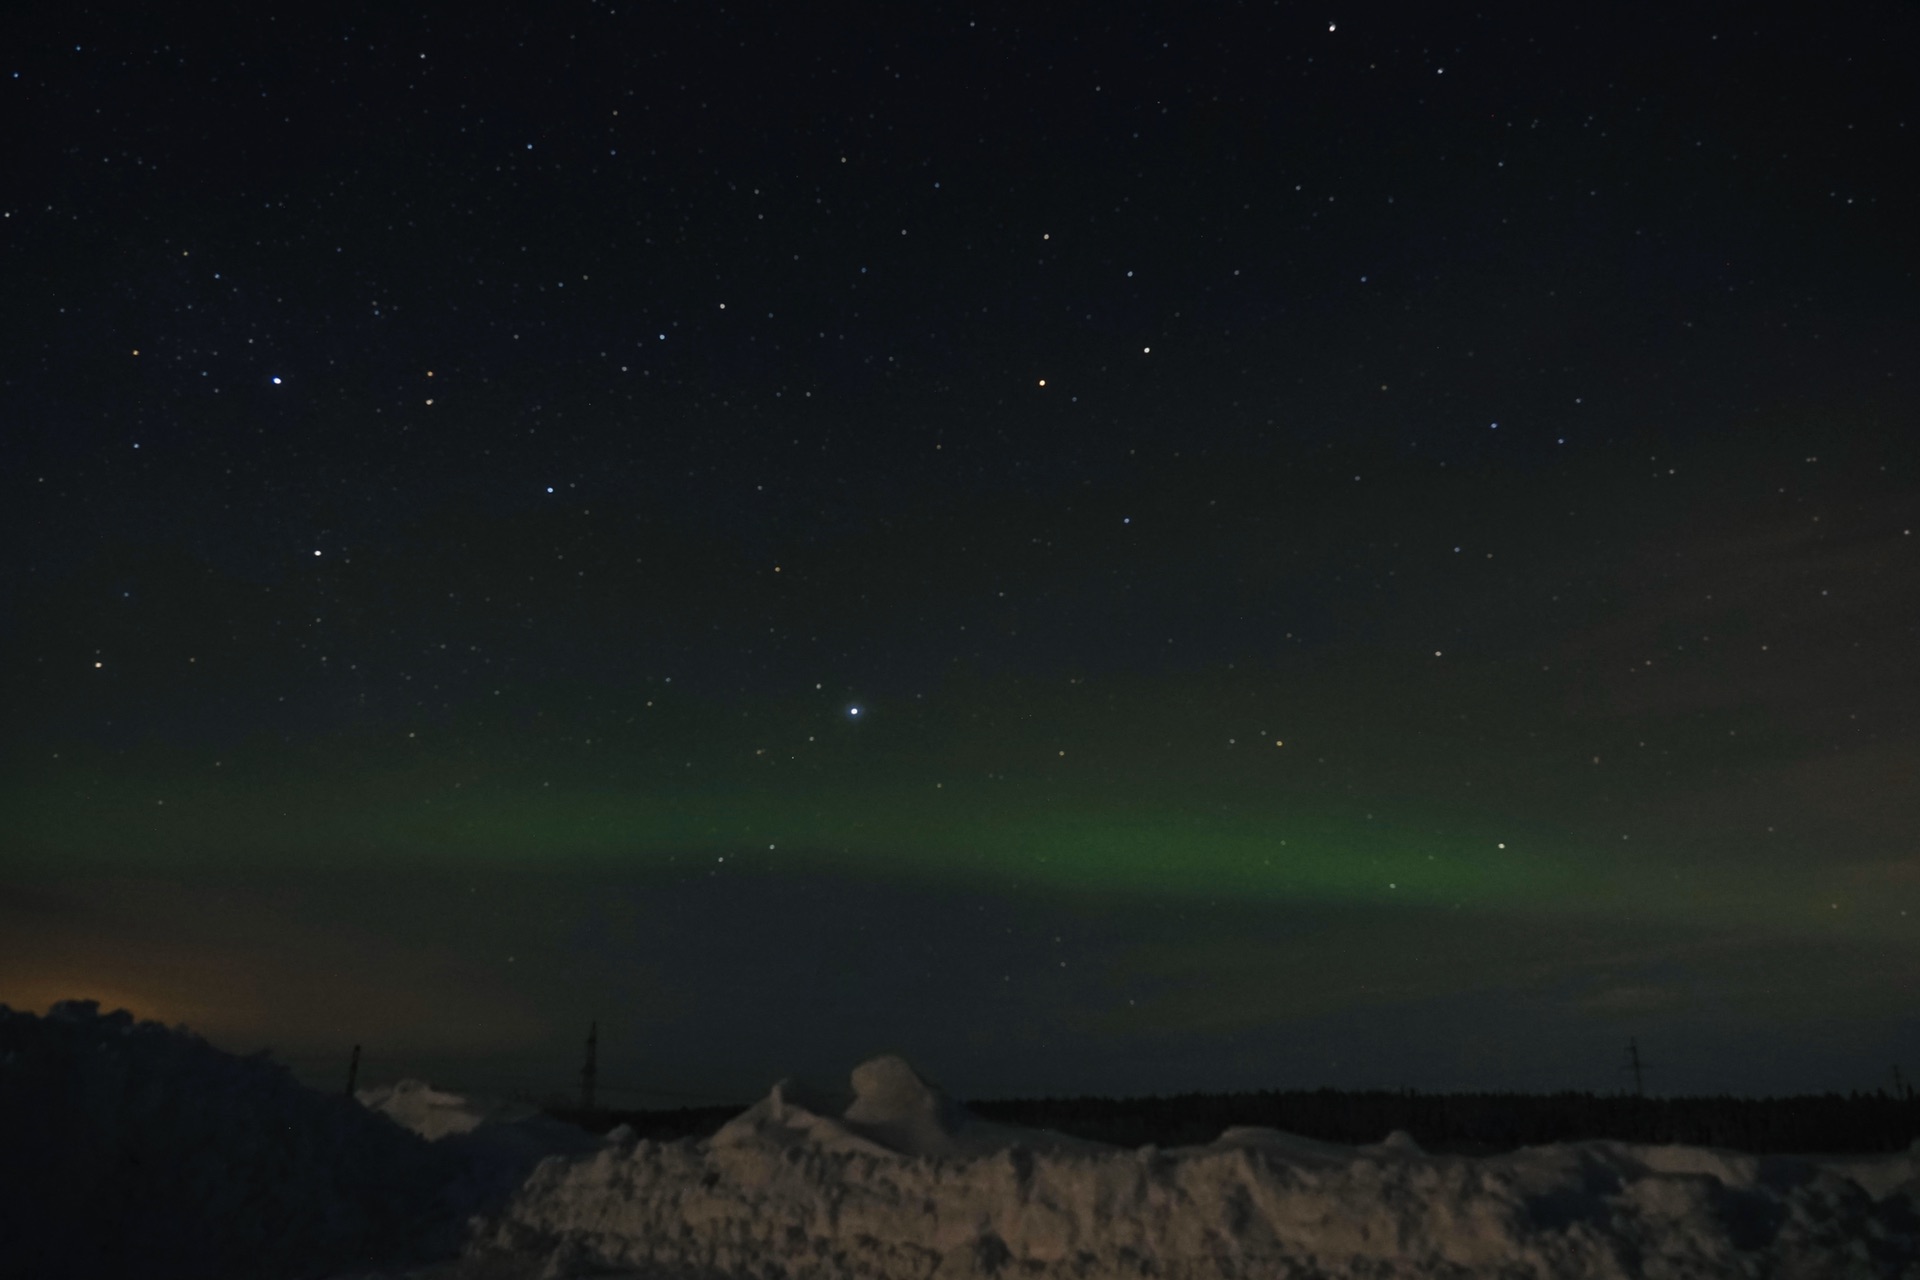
[(1104, 548)]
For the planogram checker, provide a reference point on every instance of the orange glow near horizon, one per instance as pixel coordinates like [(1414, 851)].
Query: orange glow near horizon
[(38, 995)]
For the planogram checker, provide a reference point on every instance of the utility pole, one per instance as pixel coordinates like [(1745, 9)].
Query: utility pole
[(1633, 1065), (353, 1070), (592, 1069)]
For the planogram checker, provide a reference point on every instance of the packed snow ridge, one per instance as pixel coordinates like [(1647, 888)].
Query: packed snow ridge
[(905, 1183), (128, 1150)]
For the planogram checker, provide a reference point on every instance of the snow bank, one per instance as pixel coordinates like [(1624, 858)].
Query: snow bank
[(904, 1183), (128, 1149), (892, 1111), (420, 1108), (497, 1143)]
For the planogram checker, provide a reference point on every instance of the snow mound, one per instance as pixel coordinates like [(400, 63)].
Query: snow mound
[(903, 1183), (496, 1142), (128, 1149), (418, 1106), (893, 1112)]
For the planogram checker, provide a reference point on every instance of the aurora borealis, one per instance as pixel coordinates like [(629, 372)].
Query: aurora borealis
[(1269, 550)]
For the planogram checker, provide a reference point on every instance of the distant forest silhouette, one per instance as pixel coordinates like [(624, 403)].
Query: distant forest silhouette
[(1449, 1123)]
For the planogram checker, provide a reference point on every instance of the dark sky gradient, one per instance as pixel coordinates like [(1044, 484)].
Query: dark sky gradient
[(1109, 550)]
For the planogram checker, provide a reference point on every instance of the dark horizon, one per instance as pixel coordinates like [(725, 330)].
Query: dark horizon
[(1104, 553), (558, 1090)]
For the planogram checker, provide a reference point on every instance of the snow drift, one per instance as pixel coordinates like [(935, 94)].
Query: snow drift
[(904, 1183), (128, 1149), (497, 1143)]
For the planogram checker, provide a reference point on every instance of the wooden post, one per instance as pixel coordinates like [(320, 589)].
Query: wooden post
[(353, 1070)]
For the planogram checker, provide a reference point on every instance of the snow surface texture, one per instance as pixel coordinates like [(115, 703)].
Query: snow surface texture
[(904, 1183), (497, 1143), (131, 1150)]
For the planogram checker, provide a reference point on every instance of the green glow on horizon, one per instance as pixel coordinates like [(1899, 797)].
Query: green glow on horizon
[(1013, 837)]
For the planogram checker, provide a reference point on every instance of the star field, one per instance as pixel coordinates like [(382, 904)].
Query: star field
[(1103, 551)]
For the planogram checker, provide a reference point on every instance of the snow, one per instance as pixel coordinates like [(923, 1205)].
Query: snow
[(130, 1150), (904, 1183), (418, 1106), (496, 1142), (892, 1112)]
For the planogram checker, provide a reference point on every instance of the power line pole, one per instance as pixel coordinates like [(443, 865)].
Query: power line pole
[(591, 1071), (1633, 1065), (353, 1070)]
